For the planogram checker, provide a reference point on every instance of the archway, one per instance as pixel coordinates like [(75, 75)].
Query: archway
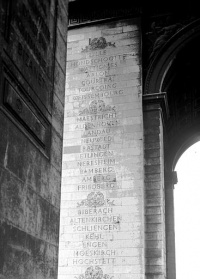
[(172, 92), (187, 208)]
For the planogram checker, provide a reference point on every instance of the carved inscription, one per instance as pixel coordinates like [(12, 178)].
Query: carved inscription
[(95, 216), (98, 219)]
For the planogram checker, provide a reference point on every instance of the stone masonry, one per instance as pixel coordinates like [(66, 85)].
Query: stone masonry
[(102, 210)]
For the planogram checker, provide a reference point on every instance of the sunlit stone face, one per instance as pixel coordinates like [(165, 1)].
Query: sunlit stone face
[(101, 233)]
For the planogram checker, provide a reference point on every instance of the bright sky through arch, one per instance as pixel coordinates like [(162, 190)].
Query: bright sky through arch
[(187, 214)]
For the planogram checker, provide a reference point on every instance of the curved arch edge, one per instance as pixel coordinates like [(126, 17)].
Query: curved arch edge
[(165, 57)]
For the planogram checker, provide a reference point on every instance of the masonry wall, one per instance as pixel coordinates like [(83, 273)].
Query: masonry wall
[(32, 80), (102, 217), (155, 240)]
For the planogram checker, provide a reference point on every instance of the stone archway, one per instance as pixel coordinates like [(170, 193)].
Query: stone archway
[(171, 122)]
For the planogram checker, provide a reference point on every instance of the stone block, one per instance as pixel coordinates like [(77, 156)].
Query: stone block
[(152, 153), (153, 253), (154, 201), (56, 144), (154, 227), (153, 210), (60, 50), (62, 18), (58, 115), (152, 169), (149, 185), (155, 269), (154, 235), (156, 218), (59, 82)]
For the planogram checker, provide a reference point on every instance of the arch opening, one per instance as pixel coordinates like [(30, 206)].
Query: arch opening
[(175, 71), (187, 218), (182, 131)]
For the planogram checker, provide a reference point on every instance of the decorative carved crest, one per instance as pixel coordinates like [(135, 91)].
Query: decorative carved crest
[(95, 199), (97, 106), (98, 43), (94, 273)]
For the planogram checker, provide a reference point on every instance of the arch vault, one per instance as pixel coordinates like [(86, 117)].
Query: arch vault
[(171, 123)]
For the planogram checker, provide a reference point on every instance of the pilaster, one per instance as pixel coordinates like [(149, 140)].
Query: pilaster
[(155, 111), (170, 180)]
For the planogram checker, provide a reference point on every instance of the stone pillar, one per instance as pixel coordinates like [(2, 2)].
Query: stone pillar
[(102, 214), (155, 111), (170, 180), (32, 80)]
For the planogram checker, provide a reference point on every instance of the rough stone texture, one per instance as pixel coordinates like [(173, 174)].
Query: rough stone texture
[(102, 215), (170, 229), (31, 117), (155, 265)]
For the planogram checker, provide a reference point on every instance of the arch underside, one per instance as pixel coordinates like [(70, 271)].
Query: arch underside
[(175, 70)]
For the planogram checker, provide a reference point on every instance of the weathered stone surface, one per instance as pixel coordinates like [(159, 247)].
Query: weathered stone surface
[(59, 82), (102, 172), (154, 192), (31, 117)]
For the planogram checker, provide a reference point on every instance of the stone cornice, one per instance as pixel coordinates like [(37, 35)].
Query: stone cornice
[(81, 15), (157, 101)]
